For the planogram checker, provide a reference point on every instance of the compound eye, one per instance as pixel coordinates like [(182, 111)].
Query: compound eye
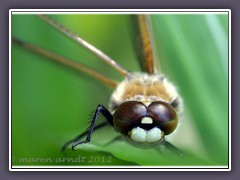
[(127, 114), (164, 115)]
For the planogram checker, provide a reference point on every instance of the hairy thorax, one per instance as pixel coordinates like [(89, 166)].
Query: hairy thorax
[(144, 88)]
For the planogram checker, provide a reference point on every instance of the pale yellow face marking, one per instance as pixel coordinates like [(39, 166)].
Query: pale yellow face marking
[(146, 120), (154, 135), (148, 136), (138, 134)]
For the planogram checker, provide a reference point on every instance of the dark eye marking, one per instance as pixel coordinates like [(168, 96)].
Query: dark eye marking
[(164, 116), (127, 115)]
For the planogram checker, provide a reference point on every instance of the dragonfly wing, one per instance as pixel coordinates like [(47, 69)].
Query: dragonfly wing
[(143, 43)]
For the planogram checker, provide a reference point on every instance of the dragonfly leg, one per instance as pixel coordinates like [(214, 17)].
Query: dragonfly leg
[(100, 109), (82, 135)]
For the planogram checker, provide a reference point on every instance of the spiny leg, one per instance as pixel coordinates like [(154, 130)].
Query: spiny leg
[(82, 135), (107, 115)]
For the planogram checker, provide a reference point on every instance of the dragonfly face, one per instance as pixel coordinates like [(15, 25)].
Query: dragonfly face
[(142, 109)]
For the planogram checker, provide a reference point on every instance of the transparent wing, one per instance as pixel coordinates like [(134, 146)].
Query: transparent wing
[(143, 43), (105, 58), (65, 61)]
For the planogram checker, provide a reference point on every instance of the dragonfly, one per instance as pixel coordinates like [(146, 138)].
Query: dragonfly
[(144, 107)]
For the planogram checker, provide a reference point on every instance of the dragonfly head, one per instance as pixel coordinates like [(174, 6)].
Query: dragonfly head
[(143, 123)]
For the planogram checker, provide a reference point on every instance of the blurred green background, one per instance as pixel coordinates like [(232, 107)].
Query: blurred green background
[(51, 103)]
